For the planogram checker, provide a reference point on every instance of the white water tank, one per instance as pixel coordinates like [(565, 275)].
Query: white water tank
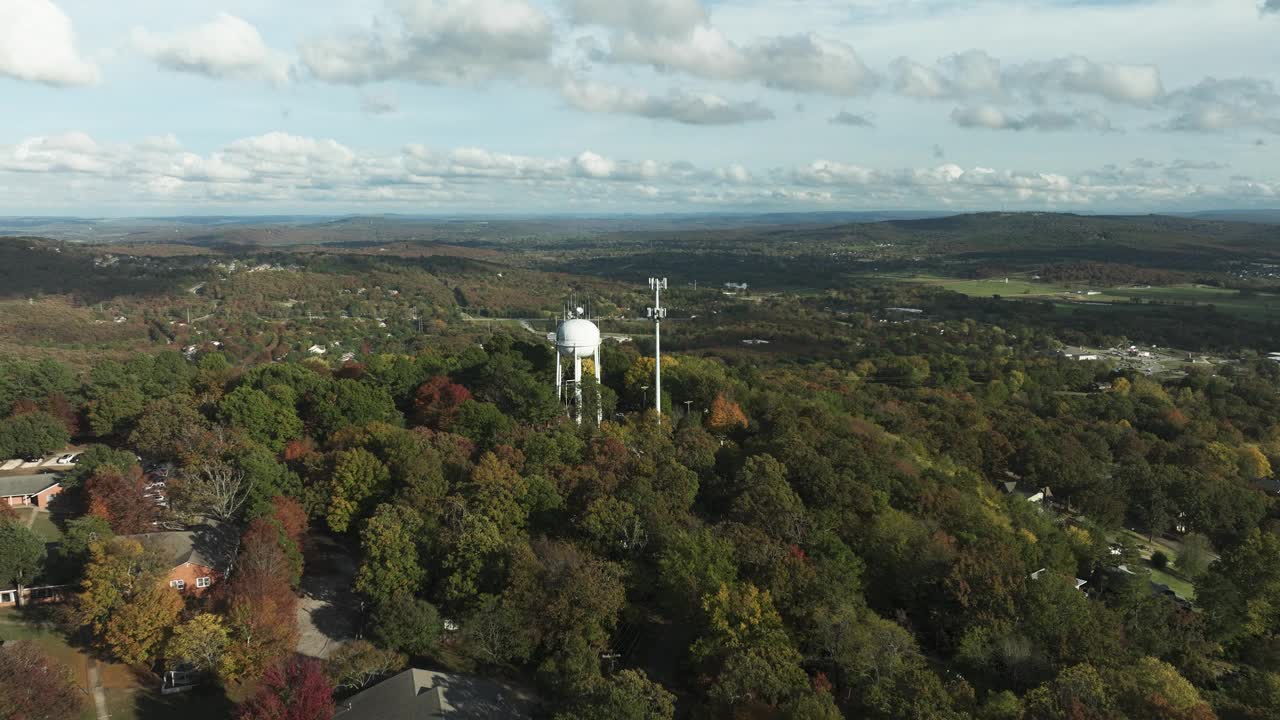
[(577, 338)]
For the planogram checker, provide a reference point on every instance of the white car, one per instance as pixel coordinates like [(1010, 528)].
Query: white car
[(68, 459)]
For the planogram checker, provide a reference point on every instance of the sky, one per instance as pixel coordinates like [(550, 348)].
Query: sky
[(165, 107)]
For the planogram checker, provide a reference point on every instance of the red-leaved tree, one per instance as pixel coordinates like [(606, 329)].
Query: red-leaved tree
[(34, 687), (294, 690), (438, 400), (120, 499), (261, 606)]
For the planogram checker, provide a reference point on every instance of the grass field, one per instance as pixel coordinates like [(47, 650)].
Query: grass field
[(42, 526), (128, 697), (1257, 306)]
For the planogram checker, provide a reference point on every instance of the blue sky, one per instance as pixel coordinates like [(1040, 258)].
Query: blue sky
[(422, 106)]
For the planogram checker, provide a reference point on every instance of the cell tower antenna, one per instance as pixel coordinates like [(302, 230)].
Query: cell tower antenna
[(657, 313)]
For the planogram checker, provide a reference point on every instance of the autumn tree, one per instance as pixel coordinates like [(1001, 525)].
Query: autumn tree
[(166, 426), (34, 686), (437, 401), (125, 600), (261, 605), (200, 641), (297, 689), (725, 416), (120, 497)]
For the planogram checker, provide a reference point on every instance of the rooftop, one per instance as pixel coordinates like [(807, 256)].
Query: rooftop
[(24, 485), (426, 694), (204, 546)]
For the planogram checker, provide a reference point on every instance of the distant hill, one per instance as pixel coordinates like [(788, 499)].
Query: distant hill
[(1270, 217)]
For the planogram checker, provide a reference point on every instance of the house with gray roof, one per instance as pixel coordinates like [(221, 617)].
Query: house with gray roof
[(429, 695), (34, 490)]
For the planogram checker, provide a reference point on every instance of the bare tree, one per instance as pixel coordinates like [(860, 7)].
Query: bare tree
[(214, 488)]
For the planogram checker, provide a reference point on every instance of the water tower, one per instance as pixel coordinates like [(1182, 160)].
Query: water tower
[(577, 338)]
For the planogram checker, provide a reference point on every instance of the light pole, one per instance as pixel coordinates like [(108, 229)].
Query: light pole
[(688, 407), (645, 388)]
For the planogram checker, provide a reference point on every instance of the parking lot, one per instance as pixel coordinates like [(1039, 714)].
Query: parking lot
[(62, 460)]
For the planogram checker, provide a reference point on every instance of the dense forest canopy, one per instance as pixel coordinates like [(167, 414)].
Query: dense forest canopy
[(898, 501)]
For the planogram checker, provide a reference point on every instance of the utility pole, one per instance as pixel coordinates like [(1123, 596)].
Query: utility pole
[(657, 312)]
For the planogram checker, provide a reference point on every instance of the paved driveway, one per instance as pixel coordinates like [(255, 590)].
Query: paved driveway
[(329, 609)]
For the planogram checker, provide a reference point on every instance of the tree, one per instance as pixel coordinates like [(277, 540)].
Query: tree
[(125, 600), (358, 477), (436, 403), (725, 416), (1077, 693), (294, 690), (746, 650), (358, 663), (166, 426), (1197, 553), (77, 537), (628, 695), (120, 498), (22, 554), (114, 411), (1254, 465), (261, 606), (390, 566), (269, 420), (200, 641), (35, 687), (215, 487), (32, 434), (408, 624)]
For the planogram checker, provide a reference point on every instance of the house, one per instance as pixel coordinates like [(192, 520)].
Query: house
[(317, 350), (198, 558), (425, 694), (33, 490), (23, 596)]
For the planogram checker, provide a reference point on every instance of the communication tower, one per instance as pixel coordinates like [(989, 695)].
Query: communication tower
[(657, 313)]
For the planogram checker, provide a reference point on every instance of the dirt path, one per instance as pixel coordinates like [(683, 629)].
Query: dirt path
[(95, 688)]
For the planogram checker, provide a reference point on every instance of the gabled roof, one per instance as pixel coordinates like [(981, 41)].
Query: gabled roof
[(204, 546), (428, 695), (25, 485)]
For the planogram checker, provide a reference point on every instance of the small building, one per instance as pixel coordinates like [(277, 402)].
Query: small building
[(41, 595), (317, 350), (425, 694), (198, 558), (29, 490)]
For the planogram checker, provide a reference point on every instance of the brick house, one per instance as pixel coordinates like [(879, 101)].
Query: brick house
[(196, 558), (33, 490)]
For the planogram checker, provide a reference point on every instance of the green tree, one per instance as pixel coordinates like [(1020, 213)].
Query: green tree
[(114, 412), (1197, 553), (165, 427), (628, 695), (22, 554), (32, 434), (408, 624), (391, 567), (269, 420), (358, 477)]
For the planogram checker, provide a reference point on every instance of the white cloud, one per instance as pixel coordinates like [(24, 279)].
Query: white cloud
[(644, 17), (798, 63), (279, 169), (225, 47), (993, 118), (1234, 103), (38, 44), (677, 105), (450, 42), (974, 74)]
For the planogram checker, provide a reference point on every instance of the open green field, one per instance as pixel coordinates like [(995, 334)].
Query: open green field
[(1256, 306), (42, 525)]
